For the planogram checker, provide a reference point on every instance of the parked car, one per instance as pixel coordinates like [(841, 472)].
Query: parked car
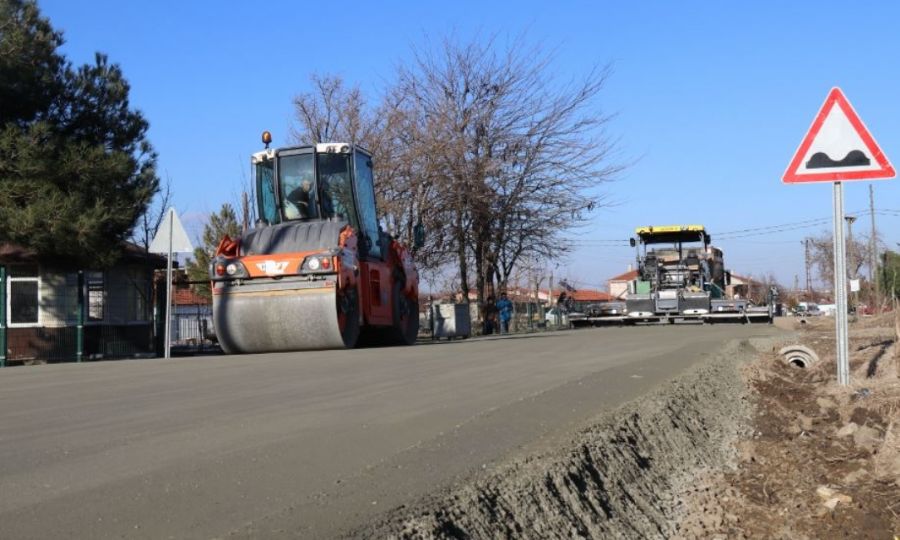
[(611, 308), (556, 317), (807, 309)]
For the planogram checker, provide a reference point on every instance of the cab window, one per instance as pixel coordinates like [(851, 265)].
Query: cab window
[(365, 194), (335, 188), (265, 192), (298, 190)]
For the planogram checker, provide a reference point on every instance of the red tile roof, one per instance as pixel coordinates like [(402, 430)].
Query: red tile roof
[(627, 276), (585, 295), (186, 297)]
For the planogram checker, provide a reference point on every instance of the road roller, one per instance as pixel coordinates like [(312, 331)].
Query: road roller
[(316, 271)]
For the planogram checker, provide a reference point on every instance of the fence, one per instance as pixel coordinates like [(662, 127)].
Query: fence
[(527, 317), (191, 330)]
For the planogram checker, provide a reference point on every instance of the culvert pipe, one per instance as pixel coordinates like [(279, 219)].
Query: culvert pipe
[(798, 355)]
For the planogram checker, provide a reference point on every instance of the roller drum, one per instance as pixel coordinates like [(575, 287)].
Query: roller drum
[(278, 320)]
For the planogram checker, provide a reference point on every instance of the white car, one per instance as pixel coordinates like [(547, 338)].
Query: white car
[(552, 317)]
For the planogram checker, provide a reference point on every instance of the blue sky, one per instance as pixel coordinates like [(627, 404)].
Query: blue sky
[(710, 99)]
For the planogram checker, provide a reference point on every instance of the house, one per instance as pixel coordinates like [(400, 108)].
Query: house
[(618, 285), (581, 299), (42, 300), (588, 296), (746, 287), (192, 315)]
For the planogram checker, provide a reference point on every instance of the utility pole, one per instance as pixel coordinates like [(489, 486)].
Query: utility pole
[(245, 210), (806, 265), (851, 271), (873, 247)]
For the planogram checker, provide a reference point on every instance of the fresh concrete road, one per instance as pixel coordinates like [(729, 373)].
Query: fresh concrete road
[(302, 444)]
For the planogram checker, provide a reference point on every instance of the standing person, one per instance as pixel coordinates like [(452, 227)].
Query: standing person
[(505, 307), (489, 315)]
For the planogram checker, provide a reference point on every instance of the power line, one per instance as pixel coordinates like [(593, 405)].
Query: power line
[(768, 227), (783, 227)]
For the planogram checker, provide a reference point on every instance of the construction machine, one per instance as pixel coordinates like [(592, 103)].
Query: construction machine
[(681, 276), (316, 271)]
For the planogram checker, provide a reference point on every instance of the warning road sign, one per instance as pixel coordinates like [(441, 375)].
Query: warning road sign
[(837, 147)]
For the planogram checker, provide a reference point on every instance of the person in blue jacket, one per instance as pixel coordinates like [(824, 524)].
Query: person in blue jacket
[(505, 307)]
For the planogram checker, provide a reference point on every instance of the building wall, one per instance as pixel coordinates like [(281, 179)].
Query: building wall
[(618, 289), (118, 314)]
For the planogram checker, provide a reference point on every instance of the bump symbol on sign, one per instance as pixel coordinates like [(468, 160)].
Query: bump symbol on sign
[(820, 160)]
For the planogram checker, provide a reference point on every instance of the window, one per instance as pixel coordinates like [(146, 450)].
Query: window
[(95, 296), (365, 192), (138, 293), (298, 190), (24, 295), (265, 186), (335, 187)]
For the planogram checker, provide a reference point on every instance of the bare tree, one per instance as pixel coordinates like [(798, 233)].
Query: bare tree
[(149, 222), (331, 112), (822, 256), (515, 154), (480, 144)]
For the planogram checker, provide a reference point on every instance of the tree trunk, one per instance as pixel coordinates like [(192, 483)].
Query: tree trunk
[(461, 253), (897, 334), (479, 271)]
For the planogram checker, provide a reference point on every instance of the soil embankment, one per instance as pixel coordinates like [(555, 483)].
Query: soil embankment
[(622, 477), (744, 445)]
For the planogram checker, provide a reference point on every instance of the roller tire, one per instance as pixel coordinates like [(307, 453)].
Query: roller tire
[(406, 317), (348, 316)]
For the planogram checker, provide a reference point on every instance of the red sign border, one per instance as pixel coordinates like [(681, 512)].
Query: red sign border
[(836, 97)]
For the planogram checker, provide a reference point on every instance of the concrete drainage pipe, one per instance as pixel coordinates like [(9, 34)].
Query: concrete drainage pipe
[(798, 355)]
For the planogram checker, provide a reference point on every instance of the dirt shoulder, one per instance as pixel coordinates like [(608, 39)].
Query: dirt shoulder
[(744, 445), (619, 478), (821, 461)]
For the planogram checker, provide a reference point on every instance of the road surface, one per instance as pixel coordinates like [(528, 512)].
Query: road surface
[(302, 444)]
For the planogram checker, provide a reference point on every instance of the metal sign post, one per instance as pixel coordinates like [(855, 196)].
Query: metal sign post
[(168, 327), (840, 288), (170, 238), (838, 147)]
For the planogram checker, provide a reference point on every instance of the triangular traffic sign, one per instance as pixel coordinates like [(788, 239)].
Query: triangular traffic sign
[(171, 225), (837, 147)]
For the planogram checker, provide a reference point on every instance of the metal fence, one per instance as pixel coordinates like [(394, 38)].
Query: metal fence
[(526, 317), (192, 330)]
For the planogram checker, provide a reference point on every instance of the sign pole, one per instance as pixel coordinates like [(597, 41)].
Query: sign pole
[(169, 289), (170, 238), (838, 147), (840, 288)]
